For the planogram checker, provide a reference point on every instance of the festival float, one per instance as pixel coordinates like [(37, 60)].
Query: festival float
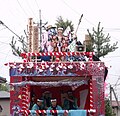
[(61, 65)]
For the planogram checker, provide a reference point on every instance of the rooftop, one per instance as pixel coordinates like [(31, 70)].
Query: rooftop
[(2, 80), (4, 94), (114, 103)]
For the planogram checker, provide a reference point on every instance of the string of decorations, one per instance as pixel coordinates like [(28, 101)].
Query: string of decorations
[(53, 68), (28, 112), (26, 56), (51, 84)]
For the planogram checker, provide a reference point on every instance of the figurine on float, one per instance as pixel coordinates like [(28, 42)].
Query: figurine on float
[(58, 40)]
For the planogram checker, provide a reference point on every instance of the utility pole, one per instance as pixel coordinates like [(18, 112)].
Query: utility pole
[(116, 98), (112, 90), (40, 27), (110, 96)]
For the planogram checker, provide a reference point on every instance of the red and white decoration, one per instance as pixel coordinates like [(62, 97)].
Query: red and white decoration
[(25, 98), (92, 110), (57, 54), (93, 68)]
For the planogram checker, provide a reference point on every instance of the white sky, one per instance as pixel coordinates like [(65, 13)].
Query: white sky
[(15, 14)]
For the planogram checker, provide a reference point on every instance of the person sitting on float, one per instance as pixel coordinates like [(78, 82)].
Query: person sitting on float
[(70, 102), (46, 99), (57, 40), (38, 105), (54, 106), (51, 30), (32, 102)]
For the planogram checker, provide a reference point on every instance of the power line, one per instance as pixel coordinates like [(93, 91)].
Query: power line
[(2, 29), (37, 4), (112, 56), (112, 29), (114, 75), (22, 8), (115, 38), (4, 43), (76, 12), (5, 57), (116, 82), (31, 9), (7, 53), (14, 15), (9, 29)]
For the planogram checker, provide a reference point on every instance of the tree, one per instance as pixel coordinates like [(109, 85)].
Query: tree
[(100, 43), (108, 109), (4, 87), (22, 46), (64, 24), (16, 50)]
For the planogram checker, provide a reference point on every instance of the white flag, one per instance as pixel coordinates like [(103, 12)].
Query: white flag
[(67, 32)]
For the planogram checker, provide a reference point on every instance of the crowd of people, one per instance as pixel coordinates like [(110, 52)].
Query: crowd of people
[(48, 103), (57, 41)]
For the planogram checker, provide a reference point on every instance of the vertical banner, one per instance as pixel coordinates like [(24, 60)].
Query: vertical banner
[(98, 95), (35, 39), (15, 96), (30, 33)]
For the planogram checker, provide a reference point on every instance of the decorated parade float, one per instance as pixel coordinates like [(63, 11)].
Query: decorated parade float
[(62, 65)]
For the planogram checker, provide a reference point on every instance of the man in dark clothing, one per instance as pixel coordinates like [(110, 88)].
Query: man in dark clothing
[(32, 101), (46, 99), (70, 102)]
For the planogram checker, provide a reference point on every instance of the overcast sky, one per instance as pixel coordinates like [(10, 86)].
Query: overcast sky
[(15, 14)]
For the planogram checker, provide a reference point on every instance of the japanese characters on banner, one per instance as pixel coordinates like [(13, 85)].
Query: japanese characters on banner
[(98, 94), (30, 34), (35, 39)]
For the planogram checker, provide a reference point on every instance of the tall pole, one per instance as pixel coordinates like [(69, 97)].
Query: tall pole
[(110, 96), (116, 98), (40, 27), (78, 24)]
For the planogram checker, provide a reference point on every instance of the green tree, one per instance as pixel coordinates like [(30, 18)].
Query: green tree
[(64, 24), (21, 45), (16, 50), (100, 43), (108, 109), (4, 87)]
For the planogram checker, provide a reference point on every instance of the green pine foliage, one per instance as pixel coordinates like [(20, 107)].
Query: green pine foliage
[(108, 109), (64, 24), (100, 43), (4, 87), (22, 47)]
